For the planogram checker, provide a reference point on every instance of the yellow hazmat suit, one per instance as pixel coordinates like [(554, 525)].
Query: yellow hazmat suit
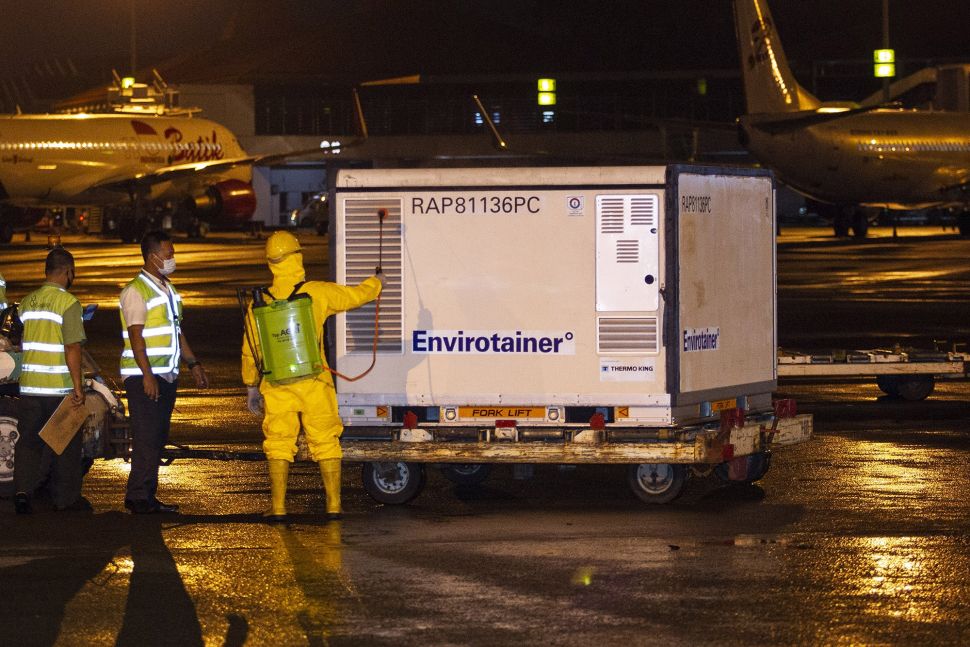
[(313, 399)]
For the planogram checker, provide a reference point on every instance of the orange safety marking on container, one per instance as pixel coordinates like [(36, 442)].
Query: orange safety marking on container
[(381, 412), (516, 413), (623, 412), (723, 405)]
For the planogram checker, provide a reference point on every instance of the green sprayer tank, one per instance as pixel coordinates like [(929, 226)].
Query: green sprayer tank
[(287, 338)]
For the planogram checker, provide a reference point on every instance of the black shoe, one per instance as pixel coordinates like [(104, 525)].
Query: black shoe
[(21, 503), (164, 508), (140, 506), (81, 505)]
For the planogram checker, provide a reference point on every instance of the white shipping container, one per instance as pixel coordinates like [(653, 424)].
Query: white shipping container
[(647, 293)]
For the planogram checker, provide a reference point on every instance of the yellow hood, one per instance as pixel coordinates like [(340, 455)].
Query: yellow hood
[(286, 274)]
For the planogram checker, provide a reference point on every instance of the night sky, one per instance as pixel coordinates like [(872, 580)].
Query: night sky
[(568, 35)]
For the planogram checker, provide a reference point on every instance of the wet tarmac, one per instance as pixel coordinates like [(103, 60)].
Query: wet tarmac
[(857, 537)]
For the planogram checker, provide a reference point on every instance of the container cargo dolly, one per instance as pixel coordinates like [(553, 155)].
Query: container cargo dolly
[(907, 374), (560, 315)]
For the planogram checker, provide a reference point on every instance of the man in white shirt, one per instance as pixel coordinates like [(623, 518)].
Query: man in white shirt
[(151, 322)]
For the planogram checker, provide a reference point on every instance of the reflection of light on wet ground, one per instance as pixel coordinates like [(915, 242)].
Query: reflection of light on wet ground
[(903, 479), (885, 277), (118, 466), (903, 577), (121, 566)]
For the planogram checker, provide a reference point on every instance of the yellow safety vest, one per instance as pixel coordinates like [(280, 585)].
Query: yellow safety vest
[(161, 331), (45, 369)]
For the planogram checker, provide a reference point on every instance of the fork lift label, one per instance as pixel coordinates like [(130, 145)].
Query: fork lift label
[(516, 413), (493, 342)]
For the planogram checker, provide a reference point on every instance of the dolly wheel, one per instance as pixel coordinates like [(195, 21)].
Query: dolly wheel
[(393, 483), (888, 384), (466, 473), (657, 482), (916, 388), (911, 388), (756, 466)]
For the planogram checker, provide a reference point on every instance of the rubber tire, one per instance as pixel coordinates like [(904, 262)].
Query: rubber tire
[(407, 483), (657, 483), (466, 473), (840, 224), (963, 223), (761, 462), (130, 230), (915, 388), (860, 224), (888, 384)]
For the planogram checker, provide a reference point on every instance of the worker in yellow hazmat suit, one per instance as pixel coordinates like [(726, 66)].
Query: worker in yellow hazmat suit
[(312, 399)]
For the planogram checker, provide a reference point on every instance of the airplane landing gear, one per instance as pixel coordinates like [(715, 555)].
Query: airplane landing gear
[(963, 223)]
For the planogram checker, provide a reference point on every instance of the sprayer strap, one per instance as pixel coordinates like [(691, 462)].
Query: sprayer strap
[(296, 288)]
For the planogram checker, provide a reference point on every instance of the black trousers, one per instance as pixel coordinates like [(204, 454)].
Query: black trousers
[(30, 451), (150, 421)]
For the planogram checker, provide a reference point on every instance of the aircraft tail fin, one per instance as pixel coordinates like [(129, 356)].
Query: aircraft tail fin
[(769, 85)]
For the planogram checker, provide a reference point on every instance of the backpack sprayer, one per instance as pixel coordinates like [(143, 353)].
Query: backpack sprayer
[(287, 350)]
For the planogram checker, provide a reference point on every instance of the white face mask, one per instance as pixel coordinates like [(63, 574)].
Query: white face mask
[(167, 266)]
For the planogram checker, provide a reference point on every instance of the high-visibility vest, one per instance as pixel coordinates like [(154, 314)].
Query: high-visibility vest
[(45, 369), (161, 332), (3, 293)]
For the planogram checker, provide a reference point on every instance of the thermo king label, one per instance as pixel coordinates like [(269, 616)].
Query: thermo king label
[(640, 369), (697, 339), (493, 342)]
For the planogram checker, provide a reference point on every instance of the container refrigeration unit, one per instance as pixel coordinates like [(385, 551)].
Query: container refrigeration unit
[(560, 315)]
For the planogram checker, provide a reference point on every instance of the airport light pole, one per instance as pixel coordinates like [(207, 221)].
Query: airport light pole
[(885, 45), (134, 48)]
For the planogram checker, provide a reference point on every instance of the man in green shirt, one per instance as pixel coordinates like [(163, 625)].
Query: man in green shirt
[(52, 338)]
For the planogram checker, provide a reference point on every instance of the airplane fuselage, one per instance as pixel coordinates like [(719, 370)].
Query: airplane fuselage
[(48, 160), (896, 158)]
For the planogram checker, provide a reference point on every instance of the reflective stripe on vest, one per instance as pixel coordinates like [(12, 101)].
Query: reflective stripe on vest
[(161, 330), (45, 371)]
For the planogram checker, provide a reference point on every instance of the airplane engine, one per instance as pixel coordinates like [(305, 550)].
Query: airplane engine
[(228, 201)]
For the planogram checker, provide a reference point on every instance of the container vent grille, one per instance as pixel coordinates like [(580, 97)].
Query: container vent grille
[(611, 215), (643, 210), (616, 211), (627, 251), (362, 236), (627, 335)]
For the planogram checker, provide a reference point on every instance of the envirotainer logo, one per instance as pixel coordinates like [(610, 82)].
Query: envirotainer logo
[(493, 342), (699, 339)]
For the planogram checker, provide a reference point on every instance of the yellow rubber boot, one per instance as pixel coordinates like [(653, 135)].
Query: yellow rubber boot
[(279, 471), (330, 471)]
